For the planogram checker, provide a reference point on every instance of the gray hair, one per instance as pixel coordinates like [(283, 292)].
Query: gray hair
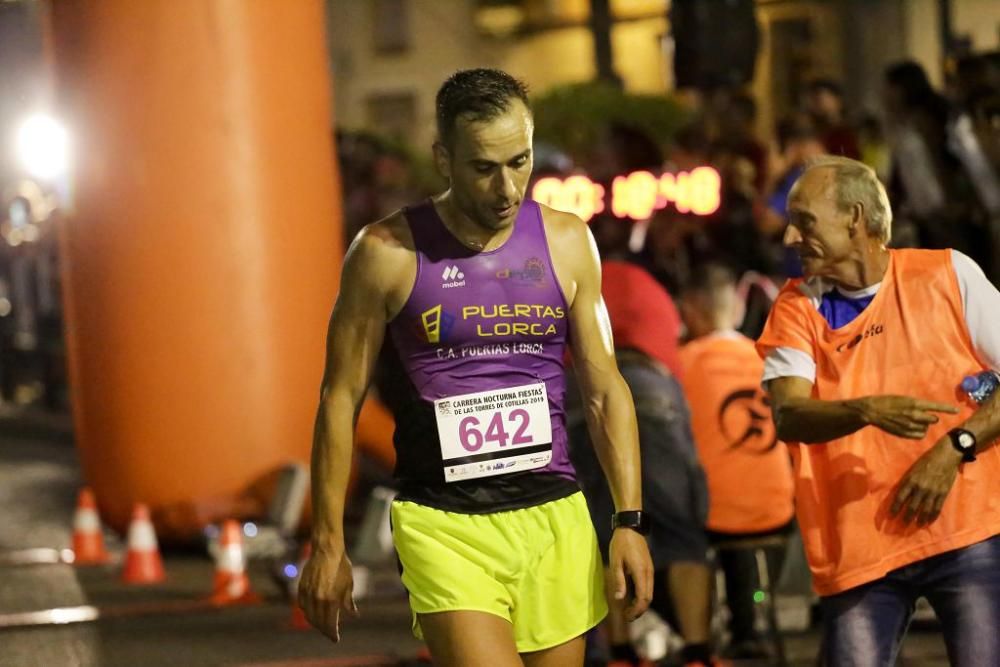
[(857, 183)]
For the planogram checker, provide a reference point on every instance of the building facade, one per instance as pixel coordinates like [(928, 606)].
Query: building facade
[(389, 56)]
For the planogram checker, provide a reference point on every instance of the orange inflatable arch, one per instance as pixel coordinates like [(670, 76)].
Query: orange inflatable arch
[(201, 251)]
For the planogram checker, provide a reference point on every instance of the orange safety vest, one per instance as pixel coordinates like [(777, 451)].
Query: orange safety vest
[(749, 474), (911, 340)]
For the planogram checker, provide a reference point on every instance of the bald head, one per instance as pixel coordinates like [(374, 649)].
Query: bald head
[(837, 212), (852, 183)]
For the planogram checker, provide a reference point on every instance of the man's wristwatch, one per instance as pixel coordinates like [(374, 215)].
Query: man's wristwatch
[(637, 520), (964, 442)]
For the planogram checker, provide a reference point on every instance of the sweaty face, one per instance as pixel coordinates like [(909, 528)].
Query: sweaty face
[(817, 229), (488, 165)]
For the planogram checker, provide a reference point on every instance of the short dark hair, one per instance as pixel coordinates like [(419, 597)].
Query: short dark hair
[(479, 94), (710, 277), (911, 79)]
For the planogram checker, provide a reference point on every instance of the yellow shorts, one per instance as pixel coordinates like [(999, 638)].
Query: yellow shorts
[(538, 568)]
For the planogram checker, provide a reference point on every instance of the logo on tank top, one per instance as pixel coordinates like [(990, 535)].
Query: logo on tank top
[(518, 319), (452, 277), (533, 272), (436, 324), (871, 332), (745, 421)]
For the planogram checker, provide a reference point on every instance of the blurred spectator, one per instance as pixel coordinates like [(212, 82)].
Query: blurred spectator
[(734, 434), (738, 138), (942, 185), (376, 178), (824, 102), (873, 146), (970, 76), (733, 234), (674, 243), (916, 116), (971, 140), (992, 69), (798, 142), (927, 185), (984, 109), (611, 235), (646, 328), (622, 149), (691, 148), (356, 155)]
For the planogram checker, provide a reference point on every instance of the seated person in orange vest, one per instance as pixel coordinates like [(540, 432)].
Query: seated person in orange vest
[(748, 470), (645, 326), (896, 471)]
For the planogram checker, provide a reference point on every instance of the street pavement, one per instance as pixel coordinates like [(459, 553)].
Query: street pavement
[(169, 624)]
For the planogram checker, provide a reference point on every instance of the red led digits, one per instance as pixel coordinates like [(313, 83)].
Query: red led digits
[(636, 195)]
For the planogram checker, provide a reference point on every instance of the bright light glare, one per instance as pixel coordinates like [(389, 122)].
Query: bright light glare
[(42, 145)]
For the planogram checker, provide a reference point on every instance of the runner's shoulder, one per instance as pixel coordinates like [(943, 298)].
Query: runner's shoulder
[(382, 255), (389, 235), (561, 222), (564, 228)]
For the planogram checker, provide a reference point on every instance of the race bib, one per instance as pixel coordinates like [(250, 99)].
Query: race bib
[(494, 432)]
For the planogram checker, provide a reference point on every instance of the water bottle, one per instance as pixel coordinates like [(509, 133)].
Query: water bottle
[(981, 386)]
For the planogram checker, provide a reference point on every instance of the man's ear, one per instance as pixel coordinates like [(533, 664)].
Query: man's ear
[(442, 160), (857, 218)]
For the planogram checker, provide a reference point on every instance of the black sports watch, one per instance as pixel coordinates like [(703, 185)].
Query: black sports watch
[(964, 442), (637, 520)]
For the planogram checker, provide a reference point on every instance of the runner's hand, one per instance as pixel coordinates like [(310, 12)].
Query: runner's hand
[(926, 485), (904, 416), (630, 559), (325, 589)]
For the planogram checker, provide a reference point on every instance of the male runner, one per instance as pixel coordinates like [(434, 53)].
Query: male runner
[(479, 289), (897, 476)]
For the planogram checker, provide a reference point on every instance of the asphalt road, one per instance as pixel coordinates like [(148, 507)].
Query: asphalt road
[(164, 625)]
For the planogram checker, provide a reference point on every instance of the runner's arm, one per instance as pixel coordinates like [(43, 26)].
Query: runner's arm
[(608, 408), (607, 400), (354, 339)]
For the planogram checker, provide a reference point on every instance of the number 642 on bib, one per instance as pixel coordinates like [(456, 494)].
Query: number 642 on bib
[(494, 432)]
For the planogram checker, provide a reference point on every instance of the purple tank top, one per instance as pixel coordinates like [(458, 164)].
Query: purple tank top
[(477, 322)]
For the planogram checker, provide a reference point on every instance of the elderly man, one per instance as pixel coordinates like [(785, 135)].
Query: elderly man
[(897, 476)]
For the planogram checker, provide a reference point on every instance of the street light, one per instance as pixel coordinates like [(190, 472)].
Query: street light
[(42, 145)]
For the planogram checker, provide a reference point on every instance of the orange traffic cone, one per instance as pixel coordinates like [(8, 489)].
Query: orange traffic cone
[(299, 620), (88, 541), (143, 564), (232, 586)]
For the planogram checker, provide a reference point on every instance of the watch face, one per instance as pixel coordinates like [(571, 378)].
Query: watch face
[(966, 441)]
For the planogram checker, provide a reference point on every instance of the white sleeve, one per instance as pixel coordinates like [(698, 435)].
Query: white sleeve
[(981, 302), (787, 361)]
